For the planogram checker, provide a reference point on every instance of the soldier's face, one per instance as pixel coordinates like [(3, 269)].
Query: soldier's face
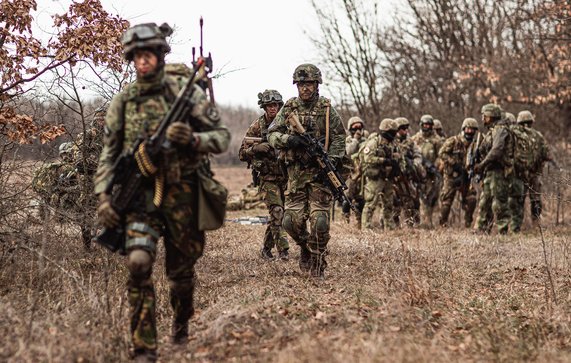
[(272, 110), (426, 127), (145, 62), (403, 131), (306, 90)]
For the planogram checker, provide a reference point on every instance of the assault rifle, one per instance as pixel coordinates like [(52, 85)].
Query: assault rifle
[(133, 168), (251, 140), (328, 173), (474, 158)]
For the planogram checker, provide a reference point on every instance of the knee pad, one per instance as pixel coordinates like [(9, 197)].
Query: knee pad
[(139, 263), (141, 235), (287, 222), (277, 214), (321, 223)]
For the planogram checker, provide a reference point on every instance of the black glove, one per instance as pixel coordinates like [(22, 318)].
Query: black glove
[(297, 142)]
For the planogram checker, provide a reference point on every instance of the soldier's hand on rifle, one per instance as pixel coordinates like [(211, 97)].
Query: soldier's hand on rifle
[(179, 133), (261, 148), (297, 142), (106, 215)]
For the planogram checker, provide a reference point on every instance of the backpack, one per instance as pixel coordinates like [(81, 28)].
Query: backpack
[(525, 150)]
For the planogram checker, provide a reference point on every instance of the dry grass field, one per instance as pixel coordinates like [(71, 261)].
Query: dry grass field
[(405, 296)]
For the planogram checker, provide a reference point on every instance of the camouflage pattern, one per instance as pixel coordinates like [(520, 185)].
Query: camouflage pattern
[(429, 144), (305, 197), (249, 198), (379, 173), (273, 182), (307, 73), (453, 157), (137, 110), (498, 153), (56, 185), (407, 199), (354, 143), (438, 129)]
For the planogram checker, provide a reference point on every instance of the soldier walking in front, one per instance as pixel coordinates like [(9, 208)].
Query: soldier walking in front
[(167, 205), (453, 157), (308, 198), (263, 159)]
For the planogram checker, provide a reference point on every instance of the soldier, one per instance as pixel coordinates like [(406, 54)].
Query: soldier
[(264, 160), (510, 118), (497, 168), (353, 143), (453, 156), (88, 145), (429, 143), (305, 197), (438, 129), (381, 162), (530, 181), (407, 198), (136, 111)]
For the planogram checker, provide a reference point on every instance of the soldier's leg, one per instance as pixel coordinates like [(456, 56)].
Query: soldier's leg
[(295, 223), (535, 197), (500, 188), (469, 201), (184, 245), (371, 202), (142, 233), (515, 202), (320, 200), (485, 214), (386, 197), (271, 195), (447, 195), (398, 206)]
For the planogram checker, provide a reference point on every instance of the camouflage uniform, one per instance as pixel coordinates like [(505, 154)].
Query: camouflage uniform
[(453, 157), (429, 143), (305, 197), (272, 178), (137, 110), (353, 144), (407, 198), (381, 163), (529, 181), (497, 167)]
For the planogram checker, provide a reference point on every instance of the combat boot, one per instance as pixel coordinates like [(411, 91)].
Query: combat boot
[(267, 253), (304, 259), (179, 333), (283, 255), (317, 265)]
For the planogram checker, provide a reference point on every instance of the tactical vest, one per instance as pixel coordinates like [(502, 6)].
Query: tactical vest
[(267, 165), (525, 150), (377, 147), (427, 146)]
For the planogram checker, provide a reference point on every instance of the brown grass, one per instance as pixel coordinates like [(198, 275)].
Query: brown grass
[(403, 296)]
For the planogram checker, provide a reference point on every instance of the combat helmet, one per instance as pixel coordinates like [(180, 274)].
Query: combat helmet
[(426, 119), (525, 116), (65, 149), (269, 96), (388, 124), (470, 122), (492, 110), (147, 35), (437, 125), (510, 118), (402, 121), (307, 73), (353, 120)]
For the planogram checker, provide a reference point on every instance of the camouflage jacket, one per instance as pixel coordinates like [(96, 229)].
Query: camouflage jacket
[(378, 155), (266, 164), (352, 145), (497, 149), (91, 145), (312, 116), (543, 150), (54, 178), (413, 158), (139, 109), (453, 155), (429, 145)]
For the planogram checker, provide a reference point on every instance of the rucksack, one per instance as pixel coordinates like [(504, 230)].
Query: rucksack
[(525, 153)]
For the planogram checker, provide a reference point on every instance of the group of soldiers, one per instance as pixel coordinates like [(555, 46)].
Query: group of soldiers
[(386, 170), (65, 186)]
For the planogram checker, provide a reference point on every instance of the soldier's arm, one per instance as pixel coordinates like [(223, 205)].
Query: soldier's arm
[(445, 153), (498, 148), (337, 135), (246, 153), (351, 145), (371, 156), (112, 144), (277, 131), (214, 136)]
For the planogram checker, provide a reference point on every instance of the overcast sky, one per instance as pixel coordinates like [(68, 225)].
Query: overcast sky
[(255, 44)]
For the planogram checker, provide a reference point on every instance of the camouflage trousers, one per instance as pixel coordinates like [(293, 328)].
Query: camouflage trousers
[(469, 198), (312, 202), (519, 190), (406, 204), (356, 197), (431, 191), (378, 192), (273, 196), (494, 202), (176, 220)]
